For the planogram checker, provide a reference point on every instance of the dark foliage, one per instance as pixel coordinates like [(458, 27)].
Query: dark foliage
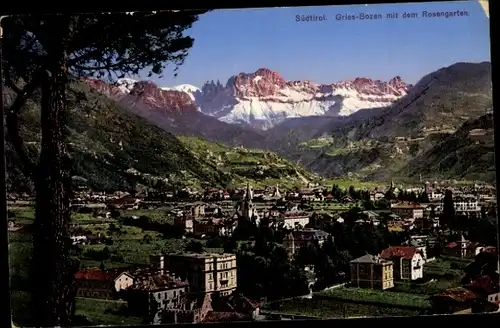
[(40, 53)]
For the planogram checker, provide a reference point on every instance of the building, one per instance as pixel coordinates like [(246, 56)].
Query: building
[(408, 210), (290, 220), (372, 271), (205, 272), (376, 196), (435, 196), (304, 237), (103, 284), (408, 262), (247, 209), (213, 227), (124, 281), (185, 223), (461, 248), (154, 292), (192, 308), (452, 300), (421, 243), (466, 204)]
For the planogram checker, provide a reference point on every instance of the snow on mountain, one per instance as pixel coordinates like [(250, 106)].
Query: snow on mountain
[(263, 99), (184, 88), (175, 111), (125, 84), (194, 92)]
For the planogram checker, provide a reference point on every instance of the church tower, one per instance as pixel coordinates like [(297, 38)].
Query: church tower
[(276, 193), (248, 208)]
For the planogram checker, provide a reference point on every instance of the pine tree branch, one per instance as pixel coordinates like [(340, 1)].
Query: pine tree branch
[(12, 122)]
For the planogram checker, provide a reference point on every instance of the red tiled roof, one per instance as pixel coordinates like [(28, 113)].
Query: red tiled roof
[(489, 249), (484, 284), (213, 316), (97, 274), (406, 252), (458, 294), (408, 205)]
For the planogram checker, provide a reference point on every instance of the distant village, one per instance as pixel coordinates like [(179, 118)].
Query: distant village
[(203, 287)]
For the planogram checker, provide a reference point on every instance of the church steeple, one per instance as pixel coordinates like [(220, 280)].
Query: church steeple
[(249, 193), (276, 193), (248, 208)]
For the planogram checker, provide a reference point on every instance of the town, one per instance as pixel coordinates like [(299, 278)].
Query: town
[(247, 254)]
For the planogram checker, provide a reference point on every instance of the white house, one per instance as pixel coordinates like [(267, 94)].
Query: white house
[(408, 262), (435, 196), (466, 204)]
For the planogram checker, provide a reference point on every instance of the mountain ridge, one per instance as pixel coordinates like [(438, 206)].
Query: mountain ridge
[(468, 153), (175, 112), (264, 98), (379, 143), (114, 149)]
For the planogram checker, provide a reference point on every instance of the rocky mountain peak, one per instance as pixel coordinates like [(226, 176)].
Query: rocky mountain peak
[(395, 87), (261, 83)]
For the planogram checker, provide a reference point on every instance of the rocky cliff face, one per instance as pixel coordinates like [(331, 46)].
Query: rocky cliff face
[(261, 99), (264, 98), (175, 110)]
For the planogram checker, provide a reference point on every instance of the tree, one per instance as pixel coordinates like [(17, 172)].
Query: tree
[(353, 192), (389, 194), (194, 247), (147, 239), (412, 197), (215, 242), (42, 54), (424, 198), (337, 193)]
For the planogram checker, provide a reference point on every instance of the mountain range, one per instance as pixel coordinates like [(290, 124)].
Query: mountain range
[(223, 134), (259, 100), (380, 143), (112, 148)]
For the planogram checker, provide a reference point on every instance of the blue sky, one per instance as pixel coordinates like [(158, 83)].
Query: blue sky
[(233, 41)]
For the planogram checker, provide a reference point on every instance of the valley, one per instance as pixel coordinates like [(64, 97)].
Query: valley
[(363, 128), (191, 166), (166, 134), (114, 149), (386, 142)]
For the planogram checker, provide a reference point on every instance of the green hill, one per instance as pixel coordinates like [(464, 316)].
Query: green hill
[(113, 149), (260, 167), (467, 154), (380, 144)]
